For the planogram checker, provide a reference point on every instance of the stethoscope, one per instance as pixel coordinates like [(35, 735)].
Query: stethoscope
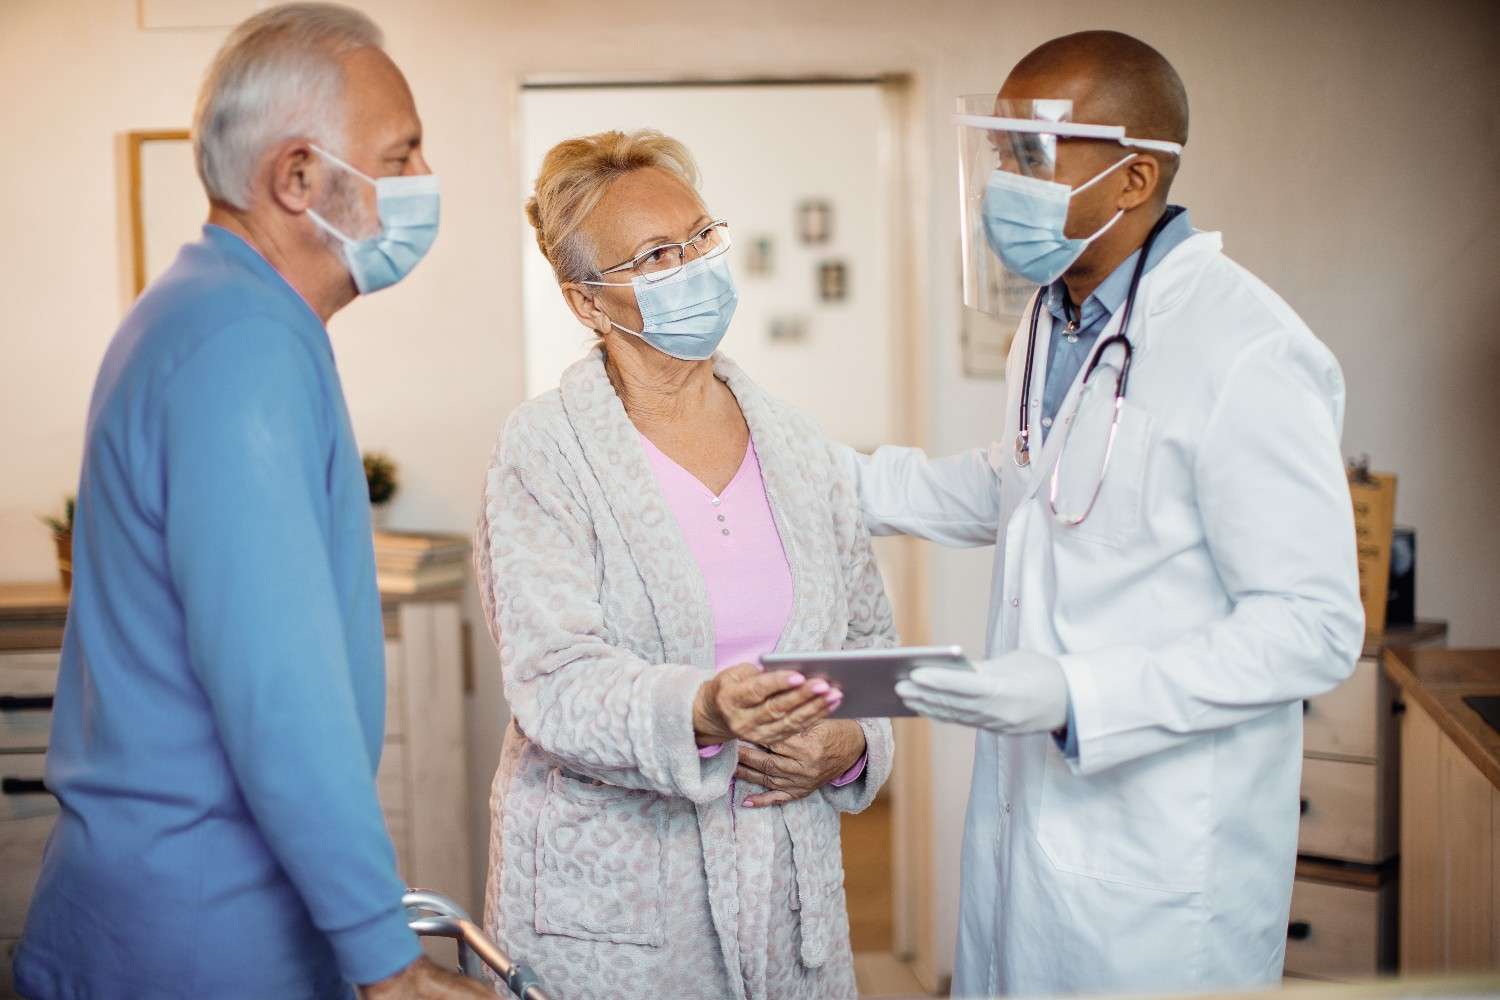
[(1022, 455)]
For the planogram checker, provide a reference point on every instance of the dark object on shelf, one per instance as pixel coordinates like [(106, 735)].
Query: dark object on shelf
[(1487, 706), (1401, 602)]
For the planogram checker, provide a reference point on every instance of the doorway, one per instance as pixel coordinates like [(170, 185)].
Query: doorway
[(811, 176)]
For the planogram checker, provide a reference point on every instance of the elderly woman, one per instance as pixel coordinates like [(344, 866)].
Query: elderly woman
[(660, 829)]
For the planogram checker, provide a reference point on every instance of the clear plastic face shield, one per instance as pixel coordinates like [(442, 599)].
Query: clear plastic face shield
[(1018, 139)]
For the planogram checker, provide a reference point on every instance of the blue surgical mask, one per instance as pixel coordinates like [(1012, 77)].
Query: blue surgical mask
[(686, 314), (408, 208), (1025, 222)]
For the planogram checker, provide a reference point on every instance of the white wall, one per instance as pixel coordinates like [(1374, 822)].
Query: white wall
[(1346, 148)]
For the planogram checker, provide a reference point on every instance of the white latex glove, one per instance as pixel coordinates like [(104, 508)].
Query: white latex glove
[(1020, 692)]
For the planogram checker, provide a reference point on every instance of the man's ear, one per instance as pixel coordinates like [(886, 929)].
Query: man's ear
[(1142, 177), (294, 168), (585, 305)]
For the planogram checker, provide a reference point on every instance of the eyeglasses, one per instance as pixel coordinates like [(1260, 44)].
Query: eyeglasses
[(666, 259)]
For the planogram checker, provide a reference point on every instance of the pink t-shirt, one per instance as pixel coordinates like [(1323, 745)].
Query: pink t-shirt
[(734, 540)]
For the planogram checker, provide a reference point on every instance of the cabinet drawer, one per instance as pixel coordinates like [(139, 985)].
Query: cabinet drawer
[(1343, 812), (1345, 721), (26, 819), (1340, 932), (27, 681)]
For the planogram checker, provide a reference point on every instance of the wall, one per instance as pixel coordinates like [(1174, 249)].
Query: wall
[(1346, 148)]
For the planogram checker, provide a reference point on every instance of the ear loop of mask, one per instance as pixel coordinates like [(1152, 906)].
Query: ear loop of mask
[(322, 222), (1095, 180)]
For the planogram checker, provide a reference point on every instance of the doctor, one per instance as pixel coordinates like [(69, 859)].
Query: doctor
[(1174, 567)]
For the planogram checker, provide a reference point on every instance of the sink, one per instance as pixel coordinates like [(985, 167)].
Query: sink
[(1488, 707)]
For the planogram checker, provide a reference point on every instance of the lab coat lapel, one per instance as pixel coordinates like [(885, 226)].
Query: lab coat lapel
[(1046, 457)]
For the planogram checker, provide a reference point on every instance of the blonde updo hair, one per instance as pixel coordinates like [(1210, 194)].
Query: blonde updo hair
[(576, 173)]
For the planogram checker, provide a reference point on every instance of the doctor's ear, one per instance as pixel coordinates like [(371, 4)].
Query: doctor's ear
[(584, 303), (1142, 178)]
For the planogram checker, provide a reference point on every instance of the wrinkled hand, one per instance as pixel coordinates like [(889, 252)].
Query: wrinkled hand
[(1020, 692), (801, 764), (745, 703), (424, 980)]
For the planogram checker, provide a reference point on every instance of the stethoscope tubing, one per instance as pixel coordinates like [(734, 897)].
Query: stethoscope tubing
[(1022, 454)]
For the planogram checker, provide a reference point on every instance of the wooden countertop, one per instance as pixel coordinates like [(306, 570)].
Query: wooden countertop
[(1438, 679)]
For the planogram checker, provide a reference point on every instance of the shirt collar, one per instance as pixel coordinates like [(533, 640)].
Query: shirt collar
[(1110, 295)]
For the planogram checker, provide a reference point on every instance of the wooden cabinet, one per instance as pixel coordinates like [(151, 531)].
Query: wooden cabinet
[(1342, 924), (1450, 845), (422, 781), (1344, 901)]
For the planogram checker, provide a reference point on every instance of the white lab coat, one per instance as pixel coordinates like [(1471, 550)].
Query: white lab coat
[(1212, 588)]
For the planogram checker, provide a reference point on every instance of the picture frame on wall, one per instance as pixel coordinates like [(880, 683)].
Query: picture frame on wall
[(815, 221), (760, 258), (833, 281), (166, 204)]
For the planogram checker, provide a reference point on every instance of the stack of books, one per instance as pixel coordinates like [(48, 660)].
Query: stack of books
[(413, 563)]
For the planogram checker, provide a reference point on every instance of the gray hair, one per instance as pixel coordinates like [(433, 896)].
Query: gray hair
[(277, 77)]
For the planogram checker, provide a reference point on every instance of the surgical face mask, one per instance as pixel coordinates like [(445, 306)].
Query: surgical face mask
[(408, 208), (686, 314), (1025, 223)]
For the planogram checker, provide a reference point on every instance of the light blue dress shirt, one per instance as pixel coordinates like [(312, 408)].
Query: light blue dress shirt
[(221, 701), (1069, 349)]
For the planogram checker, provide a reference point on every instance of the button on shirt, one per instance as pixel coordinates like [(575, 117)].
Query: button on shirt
[(1069, 350)]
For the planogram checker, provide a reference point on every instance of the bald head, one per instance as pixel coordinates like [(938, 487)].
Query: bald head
[(1112, 79)]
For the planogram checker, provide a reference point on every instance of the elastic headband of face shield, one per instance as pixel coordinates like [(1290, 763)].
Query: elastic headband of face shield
[(1021, 136), (1066, 130)]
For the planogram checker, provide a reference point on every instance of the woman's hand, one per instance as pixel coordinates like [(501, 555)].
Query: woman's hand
[(744, 703), (796, 767)]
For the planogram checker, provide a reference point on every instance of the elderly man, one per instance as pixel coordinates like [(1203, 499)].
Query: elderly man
[(1174, 567), (220, 704)]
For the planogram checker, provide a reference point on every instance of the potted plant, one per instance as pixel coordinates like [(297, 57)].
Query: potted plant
[(62, 535), (380, 476)]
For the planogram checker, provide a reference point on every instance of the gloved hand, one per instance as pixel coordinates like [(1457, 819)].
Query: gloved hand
[(1020, 692)]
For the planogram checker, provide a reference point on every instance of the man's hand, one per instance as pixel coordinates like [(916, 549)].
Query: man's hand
[(1020, 692), (423, 980), (796, 767), (745, 703)]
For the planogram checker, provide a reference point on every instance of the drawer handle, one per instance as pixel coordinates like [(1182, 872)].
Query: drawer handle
[(1306, 706), (1398, 707), (1304, 806), (25, 703), (1298, 930), (23, 786)]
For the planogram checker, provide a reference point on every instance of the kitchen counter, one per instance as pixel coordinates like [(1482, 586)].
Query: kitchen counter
[(1438, 679)]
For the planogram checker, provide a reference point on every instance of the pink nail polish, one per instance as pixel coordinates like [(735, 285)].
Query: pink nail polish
[(818, 687), (835, 697), (796, 680), (748, 804)]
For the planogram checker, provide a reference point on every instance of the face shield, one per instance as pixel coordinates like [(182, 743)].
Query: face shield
[(1018, 138)]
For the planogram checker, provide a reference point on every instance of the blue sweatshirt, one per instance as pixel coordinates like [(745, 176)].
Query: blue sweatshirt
[(221, 699)]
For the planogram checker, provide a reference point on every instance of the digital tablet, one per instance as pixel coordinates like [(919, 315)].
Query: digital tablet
[(868, 676)]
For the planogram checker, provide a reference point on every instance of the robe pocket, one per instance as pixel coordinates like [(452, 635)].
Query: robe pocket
[(600, 862), (1116, 514), (1146, 823)]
